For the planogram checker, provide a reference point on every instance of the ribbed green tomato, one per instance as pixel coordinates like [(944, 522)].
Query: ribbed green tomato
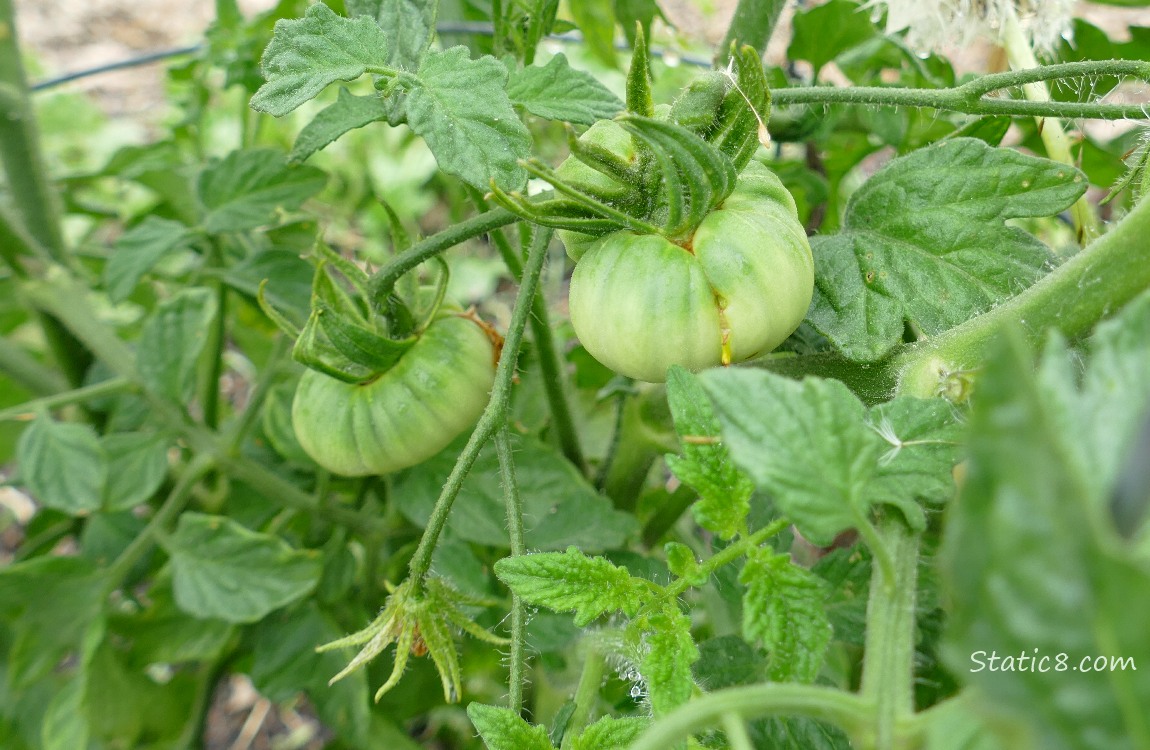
[(406, 415), (640, 303)]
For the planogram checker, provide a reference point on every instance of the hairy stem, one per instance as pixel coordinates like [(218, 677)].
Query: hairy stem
[(586, 694), (888, 664), (837, 707), (969, 98), (27, 371), (494, 415), (384, 279), (736, 731), (518, 656)]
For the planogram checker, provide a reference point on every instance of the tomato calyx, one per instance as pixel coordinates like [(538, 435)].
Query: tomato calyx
[(343, 336), (655, 170)]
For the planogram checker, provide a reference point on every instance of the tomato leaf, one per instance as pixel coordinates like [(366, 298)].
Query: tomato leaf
[(137, 466), (1030, 555), (924, 439), (63, 465), (809, 443), (610, 733), (307, 54), (346, 114), (556, 91), (668, 651), (49, 604), (925, 241), (409, 26), (572, 582), (221, 569), (824, 32), (139, 250), (172, 340), (783, 608), (503, 729), (560, 507), (461, 109), (724, 491), (596, 19), (248, 188)]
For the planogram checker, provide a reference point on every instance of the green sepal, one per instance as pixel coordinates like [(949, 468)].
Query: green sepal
[(273, 314), (330, 295), (741, 124), (558, 213), (427, 299), (697, 108), (639, 99), (689, 162), (359, 344), (355, 275), (604, 160), (313, 349)]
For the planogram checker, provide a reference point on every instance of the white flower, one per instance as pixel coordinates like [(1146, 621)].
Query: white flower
[(932, 24)]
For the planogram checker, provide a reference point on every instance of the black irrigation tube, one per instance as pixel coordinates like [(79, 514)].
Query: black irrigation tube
[(480, 29)]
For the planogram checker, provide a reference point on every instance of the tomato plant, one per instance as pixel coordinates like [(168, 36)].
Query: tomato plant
[(828, 429)]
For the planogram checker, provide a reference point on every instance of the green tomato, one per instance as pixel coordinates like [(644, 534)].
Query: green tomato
[(406, 415), (640, 303)]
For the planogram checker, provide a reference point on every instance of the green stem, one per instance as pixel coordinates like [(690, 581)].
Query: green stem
[(586, 694), (1021, 57), (1100, 279), (753, 23), (165, 516), (837, 707), (631, 456), (217, 338), (28, 185), (27, 371), (736, 731), (969, 97), (888, 663), (550, 367), (28, 409), (384, 279), (494, 415), (514, 502), (728, 555), (235, 436)]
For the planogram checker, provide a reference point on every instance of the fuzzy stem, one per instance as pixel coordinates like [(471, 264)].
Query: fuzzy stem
[(494, 415), (969, 97), (514, 502), (888, 664), (1021, 56), (840, 708), (586, 695)]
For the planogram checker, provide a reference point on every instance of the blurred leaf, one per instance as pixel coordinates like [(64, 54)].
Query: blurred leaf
[(172, 340), (461, 109), (925, 241), (161, 633), (724, 491), (1033, 565), (139, 250), (289, 280), (248, 188), (137, 466), (825, 31), (572, 582), (50, 605), (556, 91), (63, 465), (309, 53), (596, 19), (223, 570)]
